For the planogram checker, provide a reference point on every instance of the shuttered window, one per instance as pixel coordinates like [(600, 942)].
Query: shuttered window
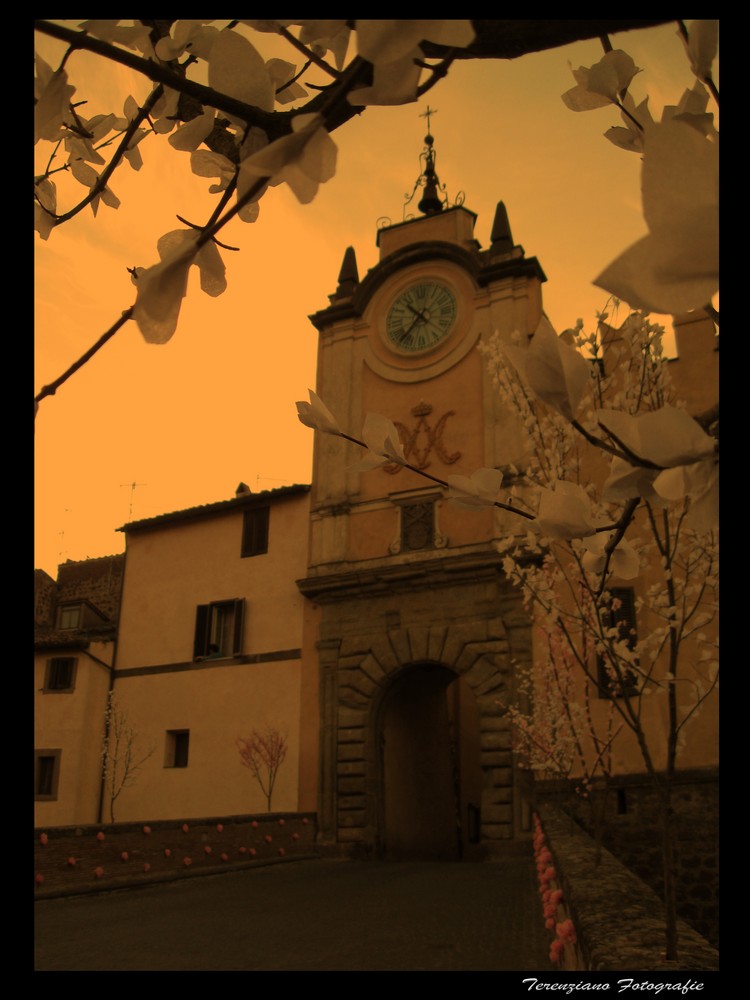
[(60, 674), (255, 531), (218, 629)]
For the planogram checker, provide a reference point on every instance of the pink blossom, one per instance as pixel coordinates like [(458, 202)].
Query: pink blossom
[(124, 855), (281, 822), (243, 850), (295, 836), (225, 857), (282, 852), (566, 931), (549, 923), (167, 852), (305, 821), (207, 849), (556, 896), (187, 862), (556, 950), (43, 840), (98, 872), (146, 867), (100, 836), (254, 824), (252, 851), (72, 862), (219, 827), (185, 828), (39, 878), (268, 838), (147, 829)]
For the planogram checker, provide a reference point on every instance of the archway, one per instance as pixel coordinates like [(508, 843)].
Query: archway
[(429, 764)]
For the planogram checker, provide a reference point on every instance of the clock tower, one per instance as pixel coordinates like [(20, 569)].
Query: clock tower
[(418, 633)]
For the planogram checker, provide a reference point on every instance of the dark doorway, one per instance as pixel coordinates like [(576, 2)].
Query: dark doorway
[(419, 773)]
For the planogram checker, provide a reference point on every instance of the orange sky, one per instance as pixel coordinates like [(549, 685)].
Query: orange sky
[(189, 420)]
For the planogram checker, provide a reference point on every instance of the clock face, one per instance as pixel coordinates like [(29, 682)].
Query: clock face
[(422, 316)]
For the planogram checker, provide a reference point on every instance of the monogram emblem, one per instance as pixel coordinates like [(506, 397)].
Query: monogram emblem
[(420, 441)]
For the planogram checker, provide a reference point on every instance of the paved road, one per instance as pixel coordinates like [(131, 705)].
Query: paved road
[(307, 916)]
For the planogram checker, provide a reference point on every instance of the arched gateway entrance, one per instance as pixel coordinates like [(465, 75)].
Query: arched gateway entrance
[(429, 776), (416, 756)]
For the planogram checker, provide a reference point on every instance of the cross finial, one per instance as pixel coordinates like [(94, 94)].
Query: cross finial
[(426, 114)]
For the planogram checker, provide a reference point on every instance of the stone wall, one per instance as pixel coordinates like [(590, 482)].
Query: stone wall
[(618, 919), (95, 580), (44, 598), (625, 819), (71, 860)]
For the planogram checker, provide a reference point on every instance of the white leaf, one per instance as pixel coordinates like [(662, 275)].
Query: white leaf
[(162, 288), (667, 436), (316, 414), (565, 512), (212, 270), (237, 69), (189, 136)]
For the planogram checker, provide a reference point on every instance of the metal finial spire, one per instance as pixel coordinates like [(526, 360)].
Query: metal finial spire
[(435, 198)]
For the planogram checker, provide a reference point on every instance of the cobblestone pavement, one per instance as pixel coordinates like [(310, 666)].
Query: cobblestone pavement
[(318, 915)]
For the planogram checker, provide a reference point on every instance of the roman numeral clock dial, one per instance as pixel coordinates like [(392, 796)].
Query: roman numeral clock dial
[(422, 316)]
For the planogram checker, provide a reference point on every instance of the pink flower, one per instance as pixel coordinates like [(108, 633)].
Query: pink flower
[(124, 855), (281, 822), (549, 923), (72, 862), (282, 852), (207, 849), (219, 827), (147, 829), (254, 824), (98, 872), (167, 852), (39, 878), (556, 896), (305, 821), (225, 857), (252, 852), (100, 836), (243, 850), (187, 862), (185, 828), (295, 836), (268, 838), (556, 950), (566, 931), (43, 840), (146, 867)]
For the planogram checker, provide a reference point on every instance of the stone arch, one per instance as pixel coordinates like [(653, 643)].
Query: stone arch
[(360, 670)]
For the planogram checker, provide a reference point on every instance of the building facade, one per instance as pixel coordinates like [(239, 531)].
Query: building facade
[(364, 619)]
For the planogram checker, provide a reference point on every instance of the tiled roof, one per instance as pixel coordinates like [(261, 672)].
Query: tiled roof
[(71, 638), (222, 506)]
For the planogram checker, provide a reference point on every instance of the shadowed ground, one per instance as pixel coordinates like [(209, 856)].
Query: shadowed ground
[(307, 916)]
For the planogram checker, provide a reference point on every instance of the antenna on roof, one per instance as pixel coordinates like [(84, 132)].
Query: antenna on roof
[(132, 491)]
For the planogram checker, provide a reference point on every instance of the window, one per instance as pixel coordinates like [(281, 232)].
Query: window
[(60, 675), (218, 629), (417, 526), (69, 616), (46, 774), (178, 744), (255, 532), (620, 615)]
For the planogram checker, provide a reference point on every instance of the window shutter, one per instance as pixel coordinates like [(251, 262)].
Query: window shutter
[(200, 645), (239, 608), (255, 531)]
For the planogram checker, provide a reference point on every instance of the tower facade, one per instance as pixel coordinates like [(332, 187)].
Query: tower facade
[(418, 630)]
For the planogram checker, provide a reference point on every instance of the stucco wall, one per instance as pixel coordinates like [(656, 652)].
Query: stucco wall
[(72, 723)]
